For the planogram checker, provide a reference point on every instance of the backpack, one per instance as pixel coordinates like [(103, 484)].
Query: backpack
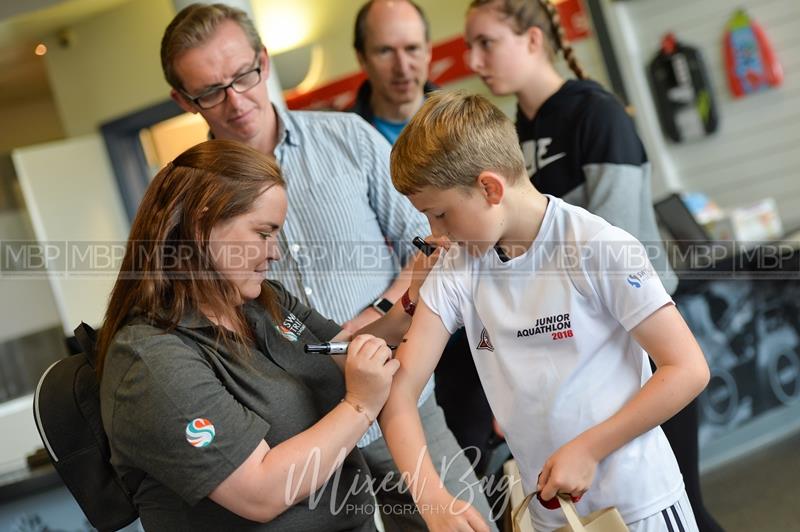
[(66, 407), (682, 91)]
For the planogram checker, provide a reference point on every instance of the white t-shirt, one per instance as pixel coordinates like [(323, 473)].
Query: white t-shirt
[(549, 334)]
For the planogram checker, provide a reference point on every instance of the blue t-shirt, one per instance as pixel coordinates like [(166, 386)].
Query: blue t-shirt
[(390, 130)]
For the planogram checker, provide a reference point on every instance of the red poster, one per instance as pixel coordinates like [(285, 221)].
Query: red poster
[(574, 19), (448, 64)]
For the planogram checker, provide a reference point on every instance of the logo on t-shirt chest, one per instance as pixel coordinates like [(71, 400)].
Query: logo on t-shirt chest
[(558, 326), (537, 155), (485, 342)]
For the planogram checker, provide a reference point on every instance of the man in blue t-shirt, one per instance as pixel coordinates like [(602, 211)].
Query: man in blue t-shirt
[(392, 42)]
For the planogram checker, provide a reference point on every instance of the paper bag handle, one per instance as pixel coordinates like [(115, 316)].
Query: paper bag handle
[(566, 506)]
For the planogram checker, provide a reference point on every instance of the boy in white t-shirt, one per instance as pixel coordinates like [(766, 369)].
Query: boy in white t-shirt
[(561, 309)]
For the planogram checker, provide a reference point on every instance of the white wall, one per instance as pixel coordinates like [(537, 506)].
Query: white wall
[(20, 437), (28, 304), (74, 205), (754, 153), (112, 66)]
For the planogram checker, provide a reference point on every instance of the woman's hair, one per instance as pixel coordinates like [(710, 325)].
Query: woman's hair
[(525, 14), (193, 26), (168, 268)]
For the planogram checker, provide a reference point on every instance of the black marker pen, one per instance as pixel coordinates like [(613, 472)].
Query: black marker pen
[(423, 246), (332, 348)]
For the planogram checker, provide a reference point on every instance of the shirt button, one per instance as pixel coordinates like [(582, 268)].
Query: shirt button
[(308, 290), (295, 248)]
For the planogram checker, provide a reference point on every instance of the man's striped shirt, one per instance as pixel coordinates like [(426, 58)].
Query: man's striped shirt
[(347, 230)]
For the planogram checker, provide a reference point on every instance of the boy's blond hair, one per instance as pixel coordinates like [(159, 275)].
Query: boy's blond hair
[(452, 139)]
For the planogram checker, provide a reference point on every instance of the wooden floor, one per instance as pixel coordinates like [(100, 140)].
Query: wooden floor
[(759, 492)]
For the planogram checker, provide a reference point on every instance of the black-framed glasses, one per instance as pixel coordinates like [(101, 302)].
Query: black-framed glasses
[(216, 95)]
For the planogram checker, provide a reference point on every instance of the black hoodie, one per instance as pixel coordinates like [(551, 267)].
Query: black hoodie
[(582, 146)]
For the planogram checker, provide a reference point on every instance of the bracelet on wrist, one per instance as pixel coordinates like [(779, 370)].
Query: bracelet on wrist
[(358, 408)]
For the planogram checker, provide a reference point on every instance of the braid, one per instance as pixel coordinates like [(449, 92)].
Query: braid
[(560, 39), (524, 14)]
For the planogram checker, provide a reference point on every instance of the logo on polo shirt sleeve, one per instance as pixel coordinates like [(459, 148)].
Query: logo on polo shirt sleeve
[(291, 328), (200, 432)]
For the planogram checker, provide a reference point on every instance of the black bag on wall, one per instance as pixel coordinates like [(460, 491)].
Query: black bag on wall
[(682, 91)]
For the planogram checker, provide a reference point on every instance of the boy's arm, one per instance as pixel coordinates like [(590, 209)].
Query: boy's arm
[(392, 327), (681, 374), (402, 428)]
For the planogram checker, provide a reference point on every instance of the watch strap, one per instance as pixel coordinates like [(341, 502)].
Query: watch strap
[(408, 305)]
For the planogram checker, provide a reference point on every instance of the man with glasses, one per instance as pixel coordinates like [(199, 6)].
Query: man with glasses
[(216, 95), (347, 232)]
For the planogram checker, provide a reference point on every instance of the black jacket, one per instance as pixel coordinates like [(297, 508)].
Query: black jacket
[(583, 147), (361, 104)]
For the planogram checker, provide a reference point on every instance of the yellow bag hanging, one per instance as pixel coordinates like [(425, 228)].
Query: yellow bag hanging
[(605, 520)]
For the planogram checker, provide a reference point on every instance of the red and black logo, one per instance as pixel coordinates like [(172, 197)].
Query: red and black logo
[(557, 325), (486, 342)]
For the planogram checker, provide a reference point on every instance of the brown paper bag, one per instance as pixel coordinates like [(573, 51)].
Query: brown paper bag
[(606, 520)]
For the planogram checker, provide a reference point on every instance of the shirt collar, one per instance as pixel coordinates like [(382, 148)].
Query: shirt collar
[(194, 319), (191, 319), (288, 131)]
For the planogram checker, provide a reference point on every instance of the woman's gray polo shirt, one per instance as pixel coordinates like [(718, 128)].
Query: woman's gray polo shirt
[(188, 413)]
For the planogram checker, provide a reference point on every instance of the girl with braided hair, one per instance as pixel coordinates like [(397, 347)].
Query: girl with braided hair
[(581, 145), (578, 141)]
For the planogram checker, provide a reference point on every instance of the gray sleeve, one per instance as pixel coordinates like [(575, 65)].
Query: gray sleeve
[(320, 326), (621, 275), (620, 194), (614, 192), (173, 419), (400, 222), (618, 177)]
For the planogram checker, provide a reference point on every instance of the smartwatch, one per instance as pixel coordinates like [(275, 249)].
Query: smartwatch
[(382, 305)]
